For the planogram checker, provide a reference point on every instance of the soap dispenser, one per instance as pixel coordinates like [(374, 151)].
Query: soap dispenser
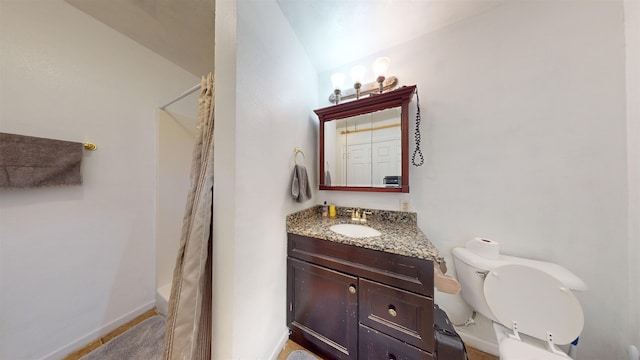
[(332, 211), (325, 210)]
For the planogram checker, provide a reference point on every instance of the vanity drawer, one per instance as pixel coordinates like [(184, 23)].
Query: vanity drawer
[(405, 272), (401, 314), (375, 345)]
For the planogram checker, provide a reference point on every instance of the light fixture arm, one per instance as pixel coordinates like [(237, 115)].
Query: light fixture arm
[(380, 81), (336, 96), (357, 86), (366, 89)]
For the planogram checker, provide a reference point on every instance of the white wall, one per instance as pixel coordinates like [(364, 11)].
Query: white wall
[(224, 186), (77, 261), (524, 136), (632, 33), (275, 92)]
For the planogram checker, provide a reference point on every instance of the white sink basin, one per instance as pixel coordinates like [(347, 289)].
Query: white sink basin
[(355, 231)]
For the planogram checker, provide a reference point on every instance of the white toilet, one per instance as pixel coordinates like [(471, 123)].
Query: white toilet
[(530, 302)]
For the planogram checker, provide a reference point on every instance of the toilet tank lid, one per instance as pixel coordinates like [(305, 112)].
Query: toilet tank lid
[(569, 279)]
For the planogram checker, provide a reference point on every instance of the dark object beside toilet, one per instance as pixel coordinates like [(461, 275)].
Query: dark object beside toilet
[(448, 344)]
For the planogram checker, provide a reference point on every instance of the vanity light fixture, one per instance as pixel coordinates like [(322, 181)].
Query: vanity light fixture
[(381, 84), (337, 80)]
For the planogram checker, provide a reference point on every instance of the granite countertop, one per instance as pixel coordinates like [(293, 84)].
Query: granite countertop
[(400, 233)]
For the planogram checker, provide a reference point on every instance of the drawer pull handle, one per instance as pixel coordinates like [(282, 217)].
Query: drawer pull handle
[(392, 311), (392, 357), (352, 289)]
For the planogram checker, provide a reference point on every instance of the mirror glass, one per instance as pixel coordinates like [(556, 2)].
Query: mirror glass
[(364, 143), (364, 150)]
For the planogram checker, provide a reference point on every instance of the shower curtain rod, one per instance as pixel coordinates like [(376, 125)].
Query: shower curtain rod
[(183, 95)]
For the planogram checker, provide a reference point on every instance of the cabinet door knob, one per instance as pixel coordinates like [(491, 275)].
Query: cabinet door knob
[(392, 311), (352, 289)]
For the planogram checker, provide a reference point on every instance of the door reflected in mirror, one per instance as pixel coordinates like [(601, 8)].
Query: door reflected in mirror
[(364, 150)]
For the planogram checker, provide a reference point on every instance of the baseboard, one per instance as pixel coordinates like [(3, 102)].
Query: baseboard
[(479, 343), (280, 346), (98, 333)]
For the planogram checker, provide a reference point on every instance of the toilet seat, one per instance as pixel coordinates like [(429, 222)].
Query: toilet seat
[(515, 349), (529, 301)]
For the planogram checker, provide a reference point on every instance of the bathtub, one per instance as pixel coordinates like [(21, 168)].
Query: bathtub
[(162, 299)]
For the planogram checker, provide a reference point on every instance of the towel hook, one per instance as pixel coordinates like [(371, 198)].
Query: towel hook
[(298, 150)]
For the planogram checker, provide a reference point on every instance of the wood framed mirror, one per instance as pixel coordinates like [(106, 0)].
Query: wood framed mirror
[(364, 144)]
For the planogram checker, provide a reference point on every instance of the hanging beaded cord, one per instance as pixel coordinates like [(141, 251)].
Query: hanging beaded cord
[(417, 152)]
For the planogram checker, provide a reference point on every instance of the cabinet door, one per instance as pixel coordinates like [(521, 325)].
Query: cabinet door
[(375, 345), (323, 307)]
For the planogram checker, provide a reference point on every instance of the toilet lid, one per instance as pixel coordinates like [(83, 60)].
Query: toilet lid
[(537, 301)]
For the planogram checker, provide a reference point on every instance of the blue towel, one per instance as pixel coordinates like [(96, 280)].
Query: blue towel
[(300, 189)]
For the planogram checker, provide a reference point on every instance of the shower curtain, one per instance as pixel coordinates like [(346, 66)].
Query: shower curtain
[(188, 332)]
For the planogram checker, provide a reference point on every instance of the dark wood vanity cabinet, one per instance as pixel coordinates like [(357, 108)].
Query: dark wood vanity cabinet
[(323, 309), (348, 302)]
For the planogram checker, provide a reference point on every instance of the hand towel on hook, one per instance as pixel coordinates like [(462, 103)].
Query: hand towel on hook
[(300, 189)]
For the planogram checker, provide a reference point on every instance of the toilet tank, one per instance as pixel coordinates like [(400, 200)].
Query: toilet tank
[(471, 270)]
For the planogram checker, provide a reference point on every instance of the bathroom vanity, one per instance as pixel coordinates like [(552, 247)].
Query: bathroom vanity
[(361, 298)]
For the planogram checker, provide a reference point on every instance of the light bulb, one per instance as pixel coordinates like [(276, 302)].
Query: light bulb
[(337, 80), (357, 74), (380, 66)]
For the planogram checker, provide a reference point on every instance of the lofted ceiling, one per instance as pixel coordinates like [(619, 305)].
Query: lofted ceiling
[(336, 32), (333, 32), (182, 31)]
